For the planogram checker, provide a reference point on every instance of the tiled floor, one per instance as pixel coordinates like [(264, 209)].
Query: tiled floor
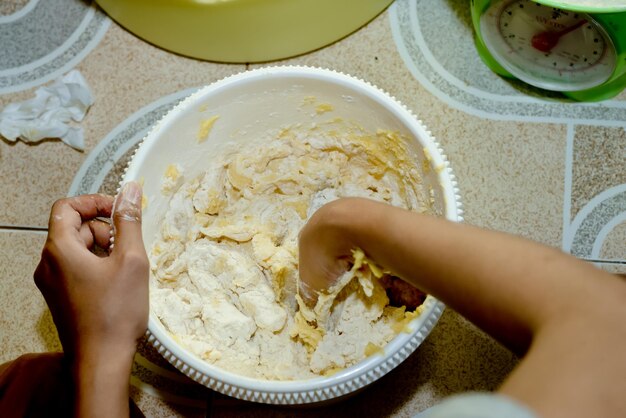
[(544, 169), (25, 321)]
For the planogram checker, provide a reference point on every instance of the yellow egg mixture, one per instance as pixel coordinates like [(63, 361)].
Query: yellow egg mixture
[(225, 264)]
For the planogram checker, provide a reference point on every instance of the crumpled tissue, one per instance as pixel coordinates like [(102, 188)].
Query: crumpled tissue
[(48, 114)]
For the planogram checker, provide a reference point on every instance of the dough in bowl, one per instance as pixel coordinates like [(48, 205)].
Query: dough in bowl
[(225, 263)]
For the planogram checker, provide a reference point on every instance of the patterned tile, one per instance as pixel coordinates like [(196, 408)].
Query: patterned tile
[(44, 39), (598, 192)]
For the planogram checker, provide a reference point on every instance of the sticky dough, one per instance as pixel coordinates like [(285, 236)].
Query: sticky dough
[(225, 263)]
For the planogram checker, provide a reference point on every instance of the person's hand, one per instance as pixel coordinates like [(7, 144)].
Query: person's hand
[(326, 245), (99, 304), (96, 302), (325, 248)]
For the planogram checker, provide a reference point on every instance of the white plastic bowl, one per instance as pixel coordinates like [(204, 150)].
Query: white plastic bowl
[(255, 101)]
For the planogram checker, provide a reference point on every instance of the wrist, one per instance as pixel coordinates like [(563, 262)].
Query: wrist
[(92, 362), (355, 220), (101, 375), (114, 353)]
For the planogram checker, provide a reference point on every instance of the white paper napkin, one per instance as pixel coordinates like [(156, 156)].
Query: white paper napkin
[(49, 113)]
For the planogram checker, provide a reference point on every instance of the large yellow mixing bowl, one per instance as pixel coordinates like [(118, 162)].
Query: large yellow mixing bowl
[(242, 30)]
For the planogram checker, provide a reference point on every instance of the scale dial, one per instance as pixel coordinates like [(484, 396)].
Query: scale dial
[(547, 47)]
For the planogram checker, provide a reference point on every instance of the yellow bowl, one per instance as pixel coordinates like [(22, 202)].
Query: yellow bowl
[(242, 30)]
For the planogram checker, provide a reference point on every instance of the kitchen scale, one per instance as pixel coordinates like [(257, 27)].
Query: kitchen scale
[(577, 47)]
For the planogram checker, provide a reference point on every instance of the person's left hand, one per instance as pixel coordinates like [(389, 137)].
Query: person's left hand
[(99, 304)]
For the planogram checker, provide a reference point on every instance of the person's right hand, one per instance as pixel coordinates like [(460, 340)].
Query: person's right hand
[(325, 248), (326, 245)]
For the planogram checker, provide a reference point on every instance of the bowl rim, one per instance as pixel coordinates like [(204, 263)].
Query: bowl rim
[(371, 368)]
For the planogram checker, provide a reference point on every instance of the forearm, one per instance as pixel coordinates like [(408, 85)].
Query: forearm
[(101, 382), (508, 286), (567, 315)]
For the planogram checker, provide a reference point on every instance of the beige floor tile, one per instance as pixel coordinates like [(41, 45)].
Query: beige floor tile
[(510, 176), (125, 74), (25, 322), (614, 249), (614, 246), (8, 7), (598, 163), (614, 268)]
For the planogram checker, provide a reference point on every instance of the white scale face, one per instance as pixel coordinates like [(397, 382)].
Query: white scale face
[(547, 47)]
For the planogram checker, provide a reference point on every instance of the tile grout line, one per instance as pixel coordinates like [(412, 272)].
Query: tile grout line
[(594, 260), (17, 228)]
